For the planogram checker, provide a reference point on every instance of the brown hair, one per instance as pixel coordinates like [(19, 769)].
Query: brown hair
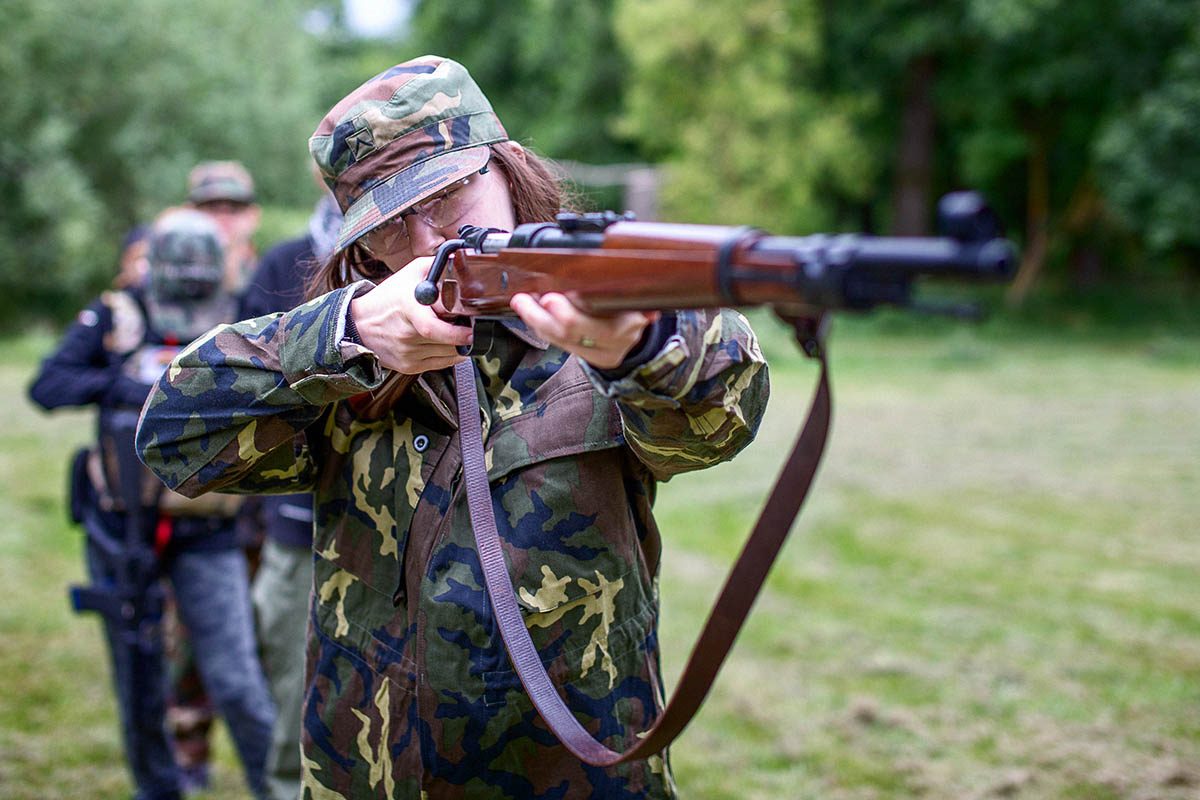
[(537, 193)]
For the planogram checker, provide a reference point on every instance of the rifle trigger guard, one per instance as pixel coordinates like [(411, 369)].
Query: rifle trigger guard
[(485, 335), (427, 290)]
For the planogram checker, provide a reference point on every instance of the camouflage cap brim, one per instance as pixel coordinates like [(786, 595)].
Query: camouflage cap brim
[(409, 186)]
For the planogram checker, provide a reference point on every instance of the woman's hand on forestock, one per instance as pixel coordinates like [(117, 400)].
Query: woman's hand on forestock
[(406, 336), (601, 341)]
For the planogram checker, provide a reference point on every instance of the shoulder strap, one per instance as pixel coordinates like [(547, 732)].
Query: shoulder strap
[(724, 622)]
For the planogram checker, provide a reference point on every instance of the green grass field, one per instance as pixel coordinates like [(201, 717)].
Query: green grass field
[(994, 590)]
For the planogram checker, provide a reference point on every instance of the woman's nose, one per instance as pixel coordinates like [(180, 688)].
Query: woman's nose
[(425, 238)]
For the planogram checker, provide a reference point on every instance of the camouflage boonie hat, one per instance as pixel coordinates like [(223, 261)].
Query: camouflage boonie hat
[(184, 297), (401, 137), (220, 180)]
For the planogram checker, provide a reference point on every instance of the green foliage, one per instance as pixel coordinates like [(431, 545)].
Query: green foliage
[(109, 103), (280, 223), (1078, 120), (550, 67), (1046, 77), (1041, 104), (870, 48), (345, 63), (1150, 156), (728, 96)]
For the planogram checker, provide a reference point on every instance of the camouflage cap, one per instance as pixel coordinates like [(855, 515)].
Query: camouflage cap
[(401, 137), (220, 180), (184, 297)]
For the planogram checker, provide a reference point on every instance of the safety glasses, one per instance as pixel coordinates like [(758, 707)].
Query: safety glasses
[(440, 211)]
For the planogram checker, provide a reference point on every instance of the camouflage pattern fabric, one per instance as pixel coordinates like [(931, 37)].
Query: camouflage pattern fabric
[(400, 137), (410, 691), (220, 180)]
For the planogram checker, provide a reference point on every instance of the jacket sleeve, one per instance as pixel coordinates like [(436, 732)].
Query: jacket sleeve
[(230, 410), (79, 371), (699, 400)]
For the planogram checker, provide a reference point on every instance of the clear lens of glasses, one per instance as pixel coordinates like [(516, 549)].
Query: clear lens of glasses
[(440, 211)]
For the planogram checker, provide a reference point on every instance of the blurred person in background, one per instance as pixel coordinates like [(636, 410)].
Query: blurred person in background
[(283, 581), (410, 691), (133, 263), (224, 190), (110, 357)]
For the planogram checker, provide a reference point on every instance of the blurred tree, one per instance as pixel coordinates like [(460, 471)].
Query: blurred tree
[(109, 103), (346, 58), (1149, 157), (1030, 103), (347, 61), (895, 53), (550, 67), (728, 96), (1012, 97)]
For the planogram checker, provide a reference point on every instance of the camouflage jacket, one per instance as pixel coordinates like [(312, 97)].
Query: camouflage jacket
[(410, 691)]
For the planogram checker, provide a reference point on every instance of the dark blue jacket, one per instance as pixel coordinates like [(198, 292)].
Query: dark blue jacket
[(83, 371)]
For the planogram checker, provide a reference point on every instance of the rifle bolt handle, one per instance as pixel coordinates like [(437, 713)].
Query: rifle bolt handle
[(426, 292)]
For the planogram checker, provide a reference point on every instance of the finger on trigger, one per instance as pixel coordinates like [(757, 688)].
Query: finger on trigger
[(436, 329)]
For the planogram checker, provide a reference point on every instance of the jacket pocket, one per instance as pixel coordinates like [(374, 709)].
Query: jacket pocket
[(566, 417)]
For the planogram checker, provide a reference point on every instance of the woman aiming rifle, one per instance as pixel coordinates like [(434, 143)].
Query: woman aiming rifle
[(410, 690)]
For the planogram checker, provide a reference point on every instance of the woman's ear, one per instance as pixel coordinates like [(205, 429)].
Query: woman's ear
[(517, 150)]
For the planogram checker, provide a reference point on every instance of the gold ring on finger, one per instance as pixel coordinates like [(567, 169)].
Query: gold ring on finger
[(587, 341)]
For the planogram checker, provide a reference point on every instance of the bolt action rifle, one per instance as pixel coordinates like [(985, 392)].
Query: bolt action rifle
[(607, 263)]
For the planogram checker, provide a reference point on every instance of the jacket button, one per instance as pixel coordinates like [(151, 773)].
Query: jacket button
[(420, 443)]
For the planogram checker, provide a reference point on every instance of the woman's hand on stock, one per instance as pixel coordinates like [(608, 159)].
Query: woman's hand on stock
[(601, 341), (406, 336)]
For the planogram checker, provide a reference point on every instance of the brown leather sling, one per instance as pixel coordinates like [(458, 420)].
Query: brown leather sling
[(729, 611)]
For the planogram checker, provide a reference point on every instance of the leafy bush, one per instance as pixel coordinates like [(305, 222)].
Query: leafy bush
[(109, 103)]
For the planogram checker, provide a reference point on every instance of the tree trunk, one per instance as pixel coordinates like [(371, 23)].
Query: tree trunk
[(914, 157), (1081, 222), (1037, 221)]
